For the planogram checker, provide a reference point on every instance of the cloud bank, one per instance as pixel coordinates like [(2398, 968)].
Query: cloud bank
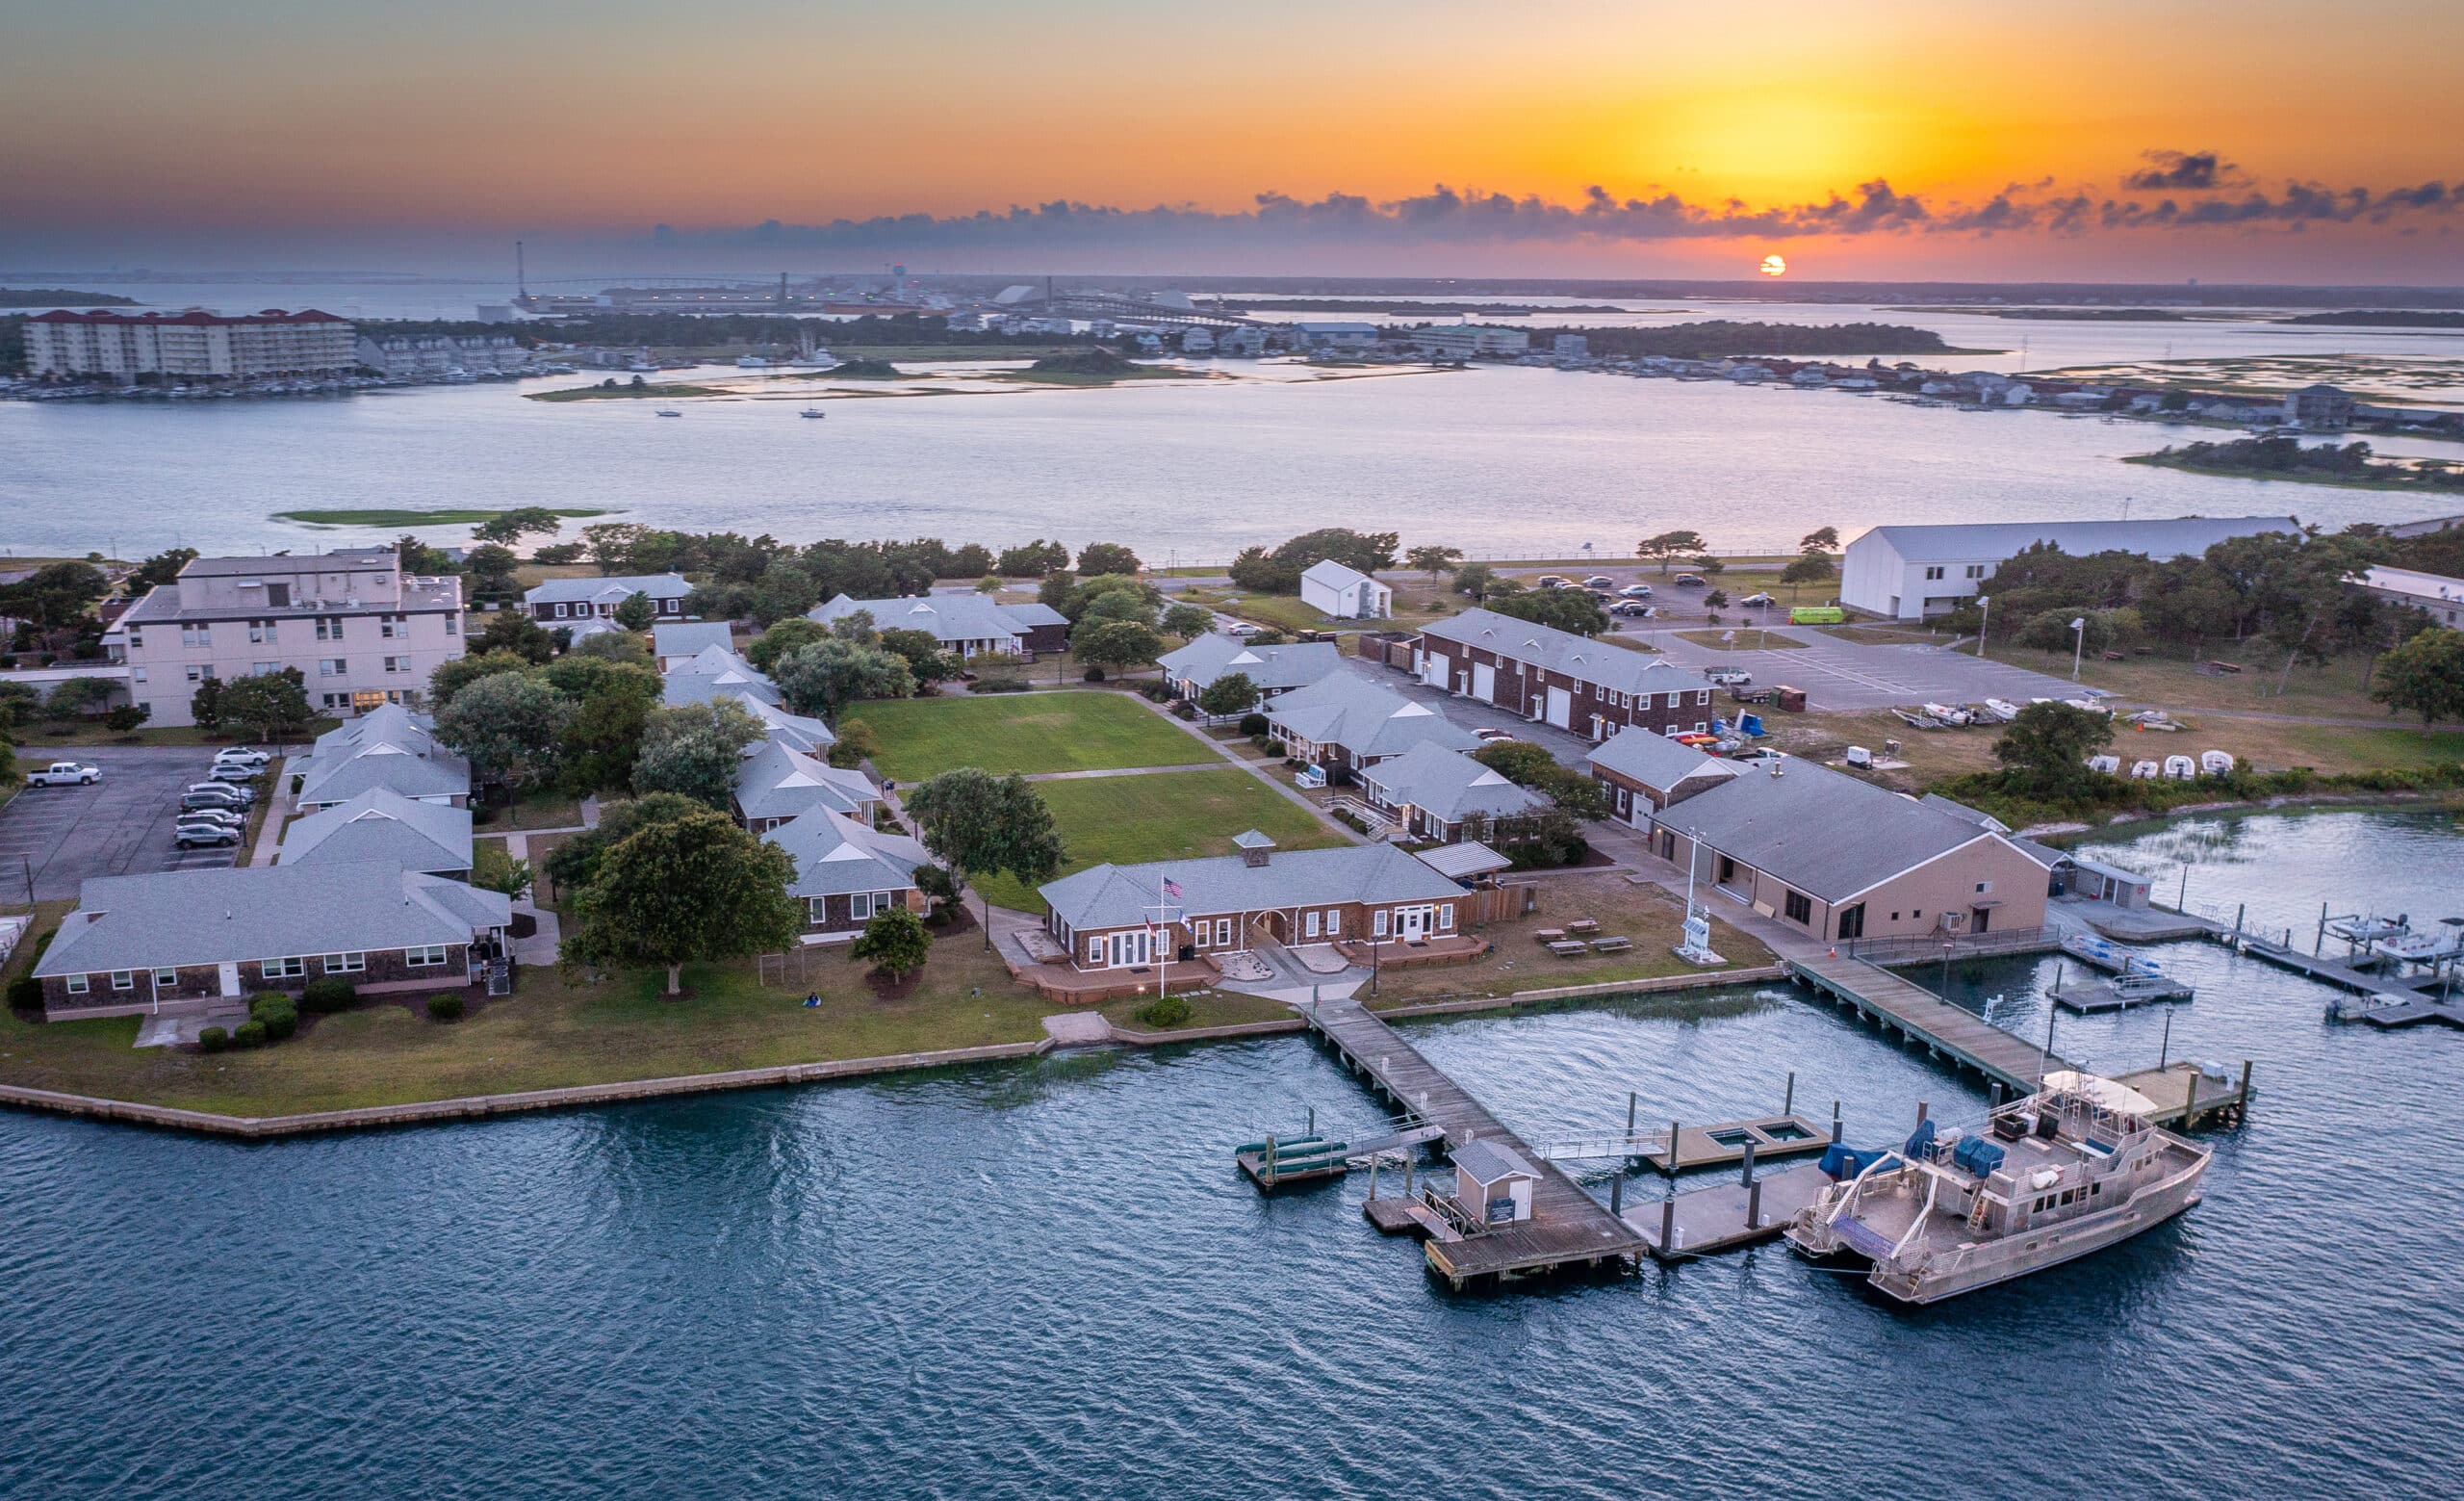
[(2192, 190)]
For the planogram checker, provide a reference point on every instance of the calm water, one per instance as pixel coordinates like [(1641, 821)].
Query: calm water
[(1045, 1280)]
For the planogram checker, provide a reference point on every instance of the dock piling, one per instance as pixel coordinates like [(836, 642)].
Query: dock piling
[(2190, 1103), (1617, 1195), (1789, 1100), (1753, 1207), (2165, 1048), (1922, 1107), (1835, 1123), (1632, 1100), (1668, 1164), (1749, 1164), (1994, 1094), (1668, 1220), (2242, 1106)]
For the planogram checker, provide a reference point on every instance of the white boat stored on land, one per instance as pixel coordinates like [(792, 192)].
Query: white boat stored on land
[(2069, 1171)]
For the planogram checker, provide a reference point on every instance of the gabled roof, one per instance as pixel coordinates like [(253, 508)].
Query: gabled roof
[(796, 732), (1364, 718), (1108, 895), (2160, 537), (389, 747), (381, 824), (1450, 784), (1488, 1162), (687, 637), (1333, 575), (612, 590), (775, 782), (946, 617), (1030, 615), (834, 855), (1823, 832), (1978, 817), (1654, 760), (1272, 668), (1582, 658), (264, 911), (710, 672), (1463, 859)]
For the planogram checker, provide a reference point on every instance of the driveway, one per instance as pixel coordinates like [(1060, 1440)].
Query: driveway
[(122, 825), (1844, 675)]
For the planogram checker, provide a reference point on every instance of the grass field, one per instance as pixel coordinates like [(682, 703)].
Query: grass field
[(409, 518), (1021, 732), (1168, 816), (1283, 611)]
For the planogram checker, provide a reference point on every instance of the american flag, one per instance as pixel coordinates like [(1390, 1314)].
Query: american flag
[(1172, 887)]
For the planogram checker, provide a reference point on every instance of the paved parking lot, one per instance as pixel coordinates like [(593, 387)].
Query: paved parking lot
[(119, 826), (1843, 675)]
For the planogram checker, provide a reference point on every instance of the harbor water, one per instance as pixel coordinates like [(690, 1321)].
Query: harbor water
[(1047, 1279)]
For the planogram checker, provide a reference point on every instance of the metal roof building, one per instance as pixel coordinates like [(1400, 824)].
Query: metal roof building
[(1908, 573)]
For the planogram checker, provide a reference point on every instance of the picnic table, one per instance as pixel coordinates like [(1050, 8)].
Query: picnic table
[(1582, 927), (1611, 946), (1549, 935), (1568, 948)]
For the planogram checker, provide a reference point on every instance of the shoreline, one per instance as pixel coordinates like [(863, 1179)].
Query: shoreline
[(466, 1107), (2286, 803)]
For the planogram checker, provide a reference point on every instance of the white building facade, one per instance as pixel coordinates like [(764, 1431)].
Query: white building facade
[(1345, 593), (1911, 573), (193, 345)]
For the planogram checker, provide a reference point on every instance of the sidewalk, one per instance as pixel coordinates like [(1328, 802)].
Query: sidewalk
[(1256, 769), (270, 833)]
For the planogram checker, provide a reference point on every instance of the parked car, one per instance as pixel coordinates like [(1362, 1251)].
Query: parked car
[(1754, 602), (1636, 591), (204, 836), (64, 773), (1240, 628), (240, 754), (1599, 580), (235, 772), (1494, 735), (1692, 580), (230, 818), (1554, 581), (1634, 608), (213, 795), (1729, 675)]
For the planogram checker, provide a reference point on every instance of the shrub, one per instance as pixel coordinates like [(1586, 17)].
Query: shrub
[(1005, 683), (1253, 724), (1094, 674), (445, 1008), (1184, 711), (1274, 747), (276, 1013), (1155, 692), (25, 993), (1164, 1010), (250, 1033), (329, 993), (213, 1039)]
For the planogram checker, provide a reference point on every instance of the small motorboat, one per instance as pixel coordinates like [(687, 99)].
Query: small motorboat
[(671, 411), (812, 411)]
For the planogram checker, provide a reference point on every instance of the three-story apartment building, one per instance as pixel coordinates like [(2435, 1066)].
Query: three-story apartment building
[(361, 632)]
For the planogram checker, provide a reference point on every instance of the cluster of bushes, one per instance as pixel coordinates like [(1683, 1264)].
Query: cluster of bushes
[(445, 1006), (2015, 801), (272, 1018), (1164, 1010)]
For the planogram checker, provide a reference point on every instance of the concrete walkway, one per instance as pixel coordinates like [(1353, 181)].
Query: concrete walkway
[(1255, 769), (270, 833), (1120, 771)]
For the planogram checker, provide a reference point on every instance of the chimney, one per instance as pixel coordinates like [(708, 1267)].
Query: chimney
[(1254, 847)]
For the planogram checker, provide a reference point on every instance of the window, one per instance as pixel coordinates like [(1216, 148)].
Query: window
[(75, 985), (1312, 925), (816, 909), (1933, 573), (1703, 697), (1378, 923), (1800, 908), (1223, 931), (345, 964), (1094, 950), (397, 664), (123, 980), (560, 612), (260, 631), (1976, 569), (136, 639), (197, 674), (333, 666), (424, 954), (283, 968), (1852, 922), (334, 700), (453, 624), (262, 668), (390, 626), (329, 627), (136, 674), (1335, 922), (196, 636), (165, 979), (1446, 916)]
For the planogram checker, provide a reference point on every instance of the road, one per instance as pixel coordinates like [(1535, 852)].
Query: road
[(57, 837)]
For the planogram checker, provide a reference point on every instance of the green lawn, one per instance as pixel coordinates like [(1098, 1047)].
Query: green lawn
[(1169, 815), (1022, 732)]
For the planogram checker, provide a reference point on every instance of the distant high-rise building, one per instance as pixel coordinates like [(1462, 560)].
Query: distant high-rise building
[(195, 344)]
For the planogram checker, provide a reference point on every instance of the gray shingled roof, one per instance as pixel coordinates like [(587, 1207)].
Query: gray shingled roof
[(1582, 657), (1488, 1162), (834, 855), (264, 911), (1110, 896), (1449, 784), (390, 747), (1364, 718), (381, 824), (614, 591), (710, 672), (687, 637), (775, 782), (1977, 817), (1273, 668), (797, 732), (1654, 759), (948, 617), (1820, 831)]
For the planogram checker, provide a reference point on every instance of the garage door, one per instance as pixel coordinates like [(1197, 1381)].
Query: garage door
[(1484, 683), (1561, 708)]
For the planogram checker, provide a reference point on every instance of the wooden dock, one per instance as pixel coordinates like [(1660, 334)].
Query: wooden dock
[(1568, 1227), (1922, 1016), (1720, 1144), (2088, 995), (1704, 1222)]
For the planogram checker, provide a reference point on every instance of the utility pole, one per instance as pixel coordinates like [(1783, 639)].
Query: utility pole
[(1984, 619)]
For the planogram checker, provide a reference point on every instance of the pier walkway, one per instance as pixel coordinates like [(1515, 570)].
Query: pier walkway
[(1922, 1016), (1568, 1227)]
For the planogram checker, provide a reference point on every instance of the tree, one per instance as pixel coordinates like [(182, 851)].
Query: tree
[(558, 555), (695, 750), (1232, 693), (2426, 675), (270, 703), (782, 592), (636, 612), (510, 725), (922, 651), (1114, 643), (1433, 560), (1717, 599), (1821, 540), (1483, 582), (575, 862), (54, 595), (781, 639), (2044, 751), (512, 525), (1811, 568), (856, 625), (730, 601), (612, 704), (75, 697), (979, 824), (1187, 621), (1526, 765), (856, 744), (621, 647), (990, 583), (163, 568), (451, 677), (1107, 557), (1111, 596), (205, 704), (492, 869), (514, 632), (1567, 610), (822, 678), (691, 889), (1279, 572), (1668, 546), (1032, 560), (491, 569), (125, 718), (418, 557), (896, 941)]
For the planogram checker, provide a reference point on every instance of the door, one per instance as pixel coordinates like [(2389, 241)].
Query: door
[(1979, 918), (1561, 709), (230, 977), (1411, 922), (1484, 681)]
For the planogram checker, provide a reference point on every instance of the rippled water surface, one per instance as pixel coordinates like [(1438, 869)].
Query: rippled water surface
[(1046, 1279)]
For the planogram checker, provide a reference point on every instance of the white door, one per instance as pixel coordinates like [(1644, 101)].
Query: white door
[(1432, 671), (1561, 708), (230, 979), (1410, 922), (1484, 681)]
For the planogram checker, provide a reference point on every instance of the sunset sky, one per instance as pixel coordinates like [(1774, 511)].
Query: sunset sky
[(2269, 140)]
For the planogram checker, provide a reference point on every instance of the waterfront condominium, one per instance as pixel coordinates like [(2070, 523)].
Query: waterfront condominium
[(194, 344), (361, 632)]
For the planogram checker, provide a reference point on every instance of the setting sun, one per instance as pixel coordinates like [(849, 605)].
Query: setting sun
[(1773, 266)]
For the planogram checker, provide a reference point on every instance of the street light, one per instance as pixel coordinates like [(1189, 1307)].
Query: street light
[(1984, 618), (2078, 643)]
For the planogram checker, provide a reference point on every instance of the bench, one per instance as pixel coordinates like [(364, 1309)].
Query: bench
[(1611, 946)]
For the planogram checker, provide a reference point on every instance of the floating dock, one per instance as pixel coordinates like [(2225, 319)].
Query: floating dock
[(2085, 996), (1724, 1216), (1721, 1144)]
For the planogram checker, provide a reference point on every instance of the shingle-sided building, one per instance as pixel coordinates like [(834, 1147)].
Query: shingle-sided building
[(1908, 573), (966, 624), (679, 640), (1273, 670), (1105, 915), (1433, 791), (776, 784), (1343, 724), (581, 599), (1555, 677), (846, 872), (389, 747), (1843, 859), (1646, 771), (1345, 593), (182, 942), (382, 825)]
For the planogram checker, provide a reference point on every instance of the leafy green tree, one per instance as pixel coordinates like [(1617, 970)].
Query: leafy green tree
[(1821, 540), (923, 652), (270, 705), (163, 568), (722, 601), (856, 625), (781, 639), (1114, 643), (695, 750), (450, 678), (623, 648), (896, 941), (979, 824), (2044, 751), (1232, 693), (1668, 546), (1482, 582), (558, 555), (990, 583), (125, 718), (612, 704), (575, 862), (53, 596), (513, 630), (1526, 765), (1098, 557), (1433, 560), (1187, 621), (1279, 572), (510, 725), (1811, 568), (1032, 560), (782, 592), (636, 612), (492, 869), (205, 704), (856, 744), (826, 676), (697, 887), (2424, 675), (510, 527), (1567, 610), (418, 557), (75, 697), (490, 568)]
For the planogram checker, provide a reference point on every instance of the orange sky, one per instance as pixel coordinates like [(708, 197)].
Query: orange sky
[(146, 125)]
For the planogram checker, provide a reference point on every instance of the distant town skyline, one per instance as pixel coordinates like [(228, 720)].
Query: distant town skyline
[(2105, 142)]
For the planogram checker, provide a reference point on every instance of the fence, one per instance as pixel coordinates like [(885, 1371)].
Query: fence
[(1961, 945)]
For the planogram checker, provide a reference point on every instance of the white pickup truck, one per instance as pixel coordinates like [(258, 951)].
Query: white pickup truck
[(64, 773)]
